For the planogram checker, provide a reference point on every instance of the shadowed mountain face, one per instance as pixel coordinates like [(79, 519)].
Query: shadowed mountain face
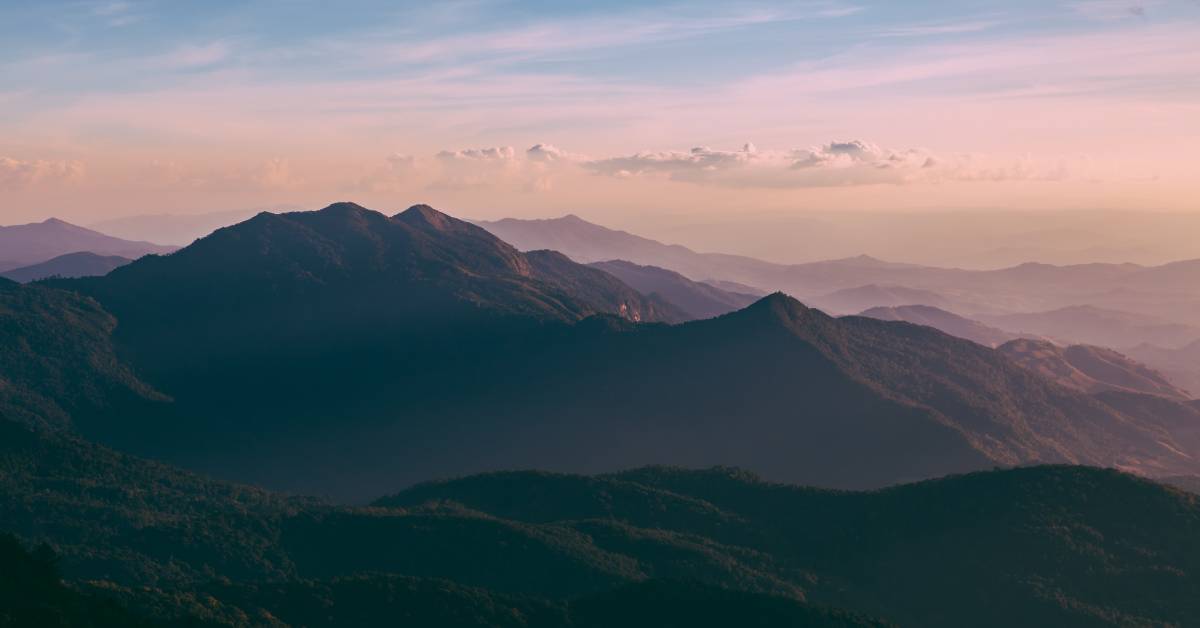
[(946, 322), (1090, 369), (1065, 547), (344, 276), (24, 245), (697, 300), (69, 265)]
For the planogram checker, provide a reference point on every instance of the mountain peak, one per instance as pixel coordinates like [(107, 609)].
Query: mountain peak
[(343, 207), (780, 306), (425, 215)]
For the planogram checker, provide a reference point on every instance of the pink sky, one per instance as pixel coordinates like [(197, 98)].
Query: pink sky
[(958, 116)]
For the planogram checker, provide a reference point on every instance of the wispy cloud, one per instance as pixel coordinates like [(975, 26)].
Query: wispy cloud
[(1111, 10), (20, 173)]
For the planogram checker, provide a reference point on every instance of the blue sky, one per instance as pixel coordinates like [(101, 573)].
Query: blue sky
[(274, 99)]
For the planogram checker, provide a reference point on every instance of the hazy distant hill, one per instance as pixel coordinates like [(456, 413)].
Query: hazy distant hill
[(1170, 292), (699, 300), (648, 547), (69, 265), (948, 322), (852, 300), (1090, 369), (1182, 365), (24, 245), (1096, 326)]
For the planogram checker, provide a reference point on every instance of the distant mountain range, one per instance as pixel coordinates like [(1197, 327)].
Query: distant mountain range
[(25, 245), (698, 300), (1097, 326), (70, 265), (142, 543), (428, 347), (1170, 292), (948, 322), (852, 300)]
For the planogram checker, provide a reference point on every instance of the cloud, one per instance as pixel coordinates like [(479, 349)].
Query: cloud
[(549, 153), (192, 56), (16, 173), (835, 164), (532, 170)]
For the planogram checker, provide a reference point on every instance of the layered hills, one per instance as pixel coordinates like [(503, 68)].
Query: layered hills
[(696, 299), (948, 322), (428, 347), (24, 245), (1169, 293)]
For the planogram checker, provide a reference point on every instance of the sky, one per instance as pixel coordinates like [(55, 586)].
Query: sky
[(490, 108)]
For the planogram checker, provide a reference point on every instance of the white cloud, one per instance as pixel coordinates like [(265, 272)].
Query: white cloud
[(533, 170), (549, 153), (836, 164)]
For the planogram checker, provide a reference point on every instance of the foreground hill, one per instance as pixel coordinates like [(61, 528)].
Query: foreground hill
[(698, 300), (427, 347), (23, 245), (70, 265), (1066, 546), (947, 322), (1090, 369)]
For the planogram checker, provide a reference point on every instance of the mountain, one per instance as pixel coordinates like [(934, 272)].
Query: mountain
[(588, 243), (946, 322), (651, 546), (1181, 365), (24, 245), (1096, 326), (1090, 369), (69, 265), (853, 300), (697, 300), (1170, 292), (429, 348)]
